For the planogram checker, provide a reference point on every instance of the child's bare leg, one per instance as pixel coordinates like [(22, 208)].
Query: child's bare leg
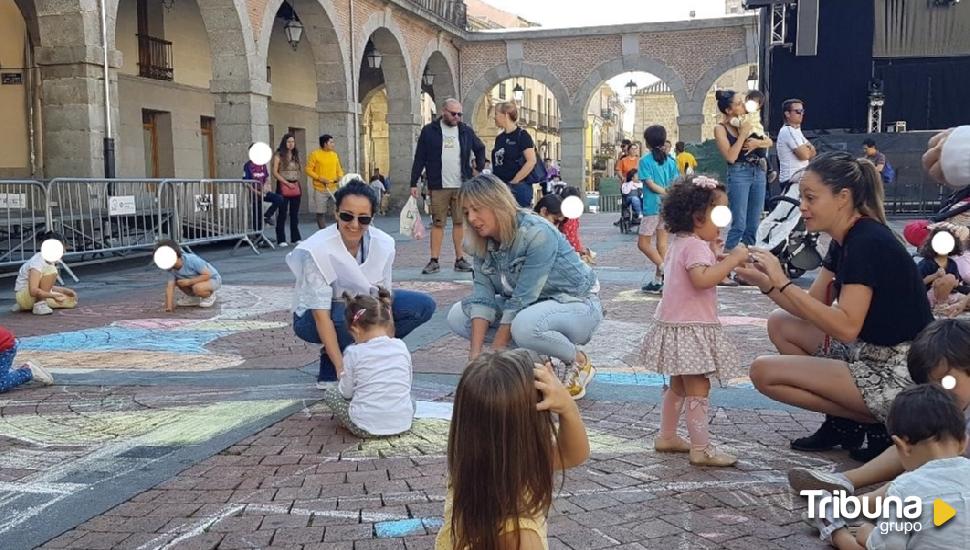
[(882, 469), (942, 288), (203, 289), (843, 540), (645, 244), (47, 283), (862, 534), (661, 244)]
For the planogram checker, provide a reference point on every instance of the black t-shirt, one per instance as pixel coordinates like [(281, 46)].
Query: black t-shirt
[(507, 155), (928, 267), (870, 255)]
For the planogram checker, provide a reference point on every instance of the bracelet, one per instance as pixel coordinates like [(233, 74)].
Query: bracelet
[(767, 292), (786, 285)]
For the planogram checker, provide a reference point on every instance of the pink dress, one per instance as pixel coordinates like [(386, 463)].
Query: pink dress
[(686, 337)]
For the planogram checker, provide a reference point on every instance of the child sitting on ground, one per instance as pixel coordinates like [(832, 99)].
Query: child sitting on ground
[(940, 273), (374, 384), (504, 450), (570, 228), (942, 349), (195, 277), (11, 378), (34, 289), (929, 433)]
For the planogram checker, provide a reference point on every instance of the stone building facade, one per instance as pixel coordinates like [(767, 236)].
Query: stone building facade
[(191, 86)]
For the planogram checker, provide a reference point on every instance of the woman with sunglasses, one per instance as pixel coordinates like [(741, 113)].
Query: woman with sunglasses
[(350, 256)]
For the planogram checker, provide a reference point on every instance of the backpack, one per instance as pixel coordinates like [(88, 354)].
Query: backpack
[(888, 173)]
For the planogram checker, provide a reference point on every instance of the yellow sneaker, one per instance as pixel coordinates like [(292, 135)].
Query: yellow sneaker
[(579, 378)]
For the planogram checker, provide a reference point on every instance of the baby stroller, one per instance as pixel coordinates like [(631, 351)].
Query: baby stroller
[(629, 220), (783, 233)]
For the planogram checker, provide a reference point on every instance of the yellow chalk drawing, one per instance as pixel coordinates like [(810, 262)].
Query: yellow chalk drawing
[(171, 426), (131, 360), (429, 436), (635, 296)]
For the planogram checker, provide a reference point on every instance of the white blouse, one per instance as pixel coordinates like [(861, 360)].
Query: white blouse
[(325, 269)]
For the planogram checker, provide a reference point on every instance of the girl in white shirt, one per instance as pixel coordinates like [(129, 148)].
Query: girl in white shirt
[(374, 388)]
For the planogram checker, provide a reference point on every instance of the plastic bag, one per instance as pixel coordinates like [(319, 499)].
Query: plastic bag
[(409, 214), (417, 231)]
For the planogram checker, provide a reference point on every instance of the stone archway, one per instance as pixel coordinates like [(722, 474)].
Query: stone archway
[(492, 77), (334, 101), (692, 112), (574, 123), (433, 60), (239, 96), (395, 73)]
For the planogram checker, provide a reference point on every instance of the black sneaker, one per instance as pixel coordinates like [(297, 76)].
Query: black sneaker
[(269, 221), (462, 265), (834, 432), (877, 441), (432, 267)]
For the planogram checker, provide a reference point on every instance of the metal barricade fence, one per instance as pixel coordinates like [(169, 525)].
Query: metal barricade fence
[(101, 218), (23, 216), (213, 210), (610, 203)]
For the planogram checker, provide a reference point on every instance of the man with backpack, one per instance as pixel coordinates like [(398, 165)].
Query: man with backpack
[(879, 159)]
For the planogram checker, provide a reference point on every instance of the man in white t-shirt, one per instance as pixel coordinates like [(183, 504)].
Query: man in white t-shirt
[(794, 151), (444, 153)]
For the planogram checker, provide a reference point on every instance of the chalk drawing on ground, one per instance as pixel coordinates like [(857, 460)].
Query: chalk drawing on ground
[(102, 442), (162, 344)]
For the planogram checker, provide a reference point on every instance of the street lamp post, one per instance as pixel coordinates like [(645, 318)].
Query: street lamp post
[(293, 29), (752, 77), (109, 141), (518, 93)]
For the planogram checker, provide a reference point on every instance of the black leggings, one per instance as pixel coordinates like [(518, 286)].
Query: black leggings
[(290, 205)]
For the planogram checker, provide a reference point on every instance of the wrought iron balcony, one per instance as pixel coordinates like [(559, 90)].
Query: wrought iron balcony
[(452, 11), (155, 58)]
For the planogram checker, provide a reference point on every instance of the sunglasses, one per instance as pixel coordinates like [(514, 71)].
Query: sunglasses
[(454, 114), (798, 111), (348, 217)]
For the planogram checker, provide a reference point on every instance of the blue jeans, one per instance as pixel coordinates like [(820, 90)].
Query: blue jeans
[(523, 194), (746, 185), (10, 379), (410, 310), (635, 204), (547, 328)]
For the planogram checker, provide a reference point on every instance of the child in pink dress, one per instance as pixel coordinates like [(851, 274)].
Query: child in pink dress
[(686, 341)]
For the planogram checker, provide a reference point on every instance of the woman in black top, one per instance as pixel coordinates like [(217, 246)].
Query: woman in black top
[(846, 359), (514, 154)]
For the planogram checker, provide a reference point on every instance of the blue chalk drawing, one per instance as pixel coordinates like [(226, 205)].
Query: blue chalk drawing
[(405, 527), (125, 339), (645, 379)]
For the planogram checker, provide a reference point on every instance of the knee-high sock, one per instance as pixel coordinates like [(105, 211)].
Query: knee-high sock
[(670, 410), (697, 421)]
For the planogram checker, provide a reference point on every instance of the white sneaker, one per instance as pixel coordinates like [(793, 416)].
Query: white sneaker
[(208, 302), (282, 245), (321, 385), (15, 307), (805, 479), (41, 308), (39, 373), (185, 300)]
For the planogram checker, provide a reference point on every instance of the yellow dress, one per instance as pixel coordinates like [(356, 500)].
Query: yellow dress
[(445, 540)]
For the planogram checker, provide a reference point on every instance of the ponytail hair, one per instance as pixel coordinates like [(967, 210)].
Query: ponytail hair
[(724, 100), (656, 138), (365, 311), (840, 170)]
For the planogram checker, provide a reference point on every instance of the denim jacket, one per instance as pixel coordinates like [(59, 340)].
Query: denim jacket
[(539, 264)]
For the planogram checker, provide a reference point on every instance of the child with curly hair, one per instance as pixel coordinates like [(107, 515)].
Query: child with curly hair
[(686, 341)]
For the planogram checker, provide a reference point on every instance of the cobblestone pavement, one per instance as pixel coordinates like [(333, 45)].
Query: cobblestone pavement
[(201, 429)]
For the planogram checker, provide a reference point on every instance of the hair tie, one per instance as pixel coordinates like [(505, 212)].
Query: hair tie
[(360, 313), (705, 182)]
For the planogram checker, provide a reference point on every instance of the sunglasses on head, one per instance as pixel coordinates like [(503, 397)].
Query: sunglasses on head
[(348, 217), (454, 114)]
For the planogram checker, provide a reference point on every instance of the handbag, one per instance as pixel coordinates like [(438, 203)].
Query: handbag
[(538, 174), (292, 190)]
